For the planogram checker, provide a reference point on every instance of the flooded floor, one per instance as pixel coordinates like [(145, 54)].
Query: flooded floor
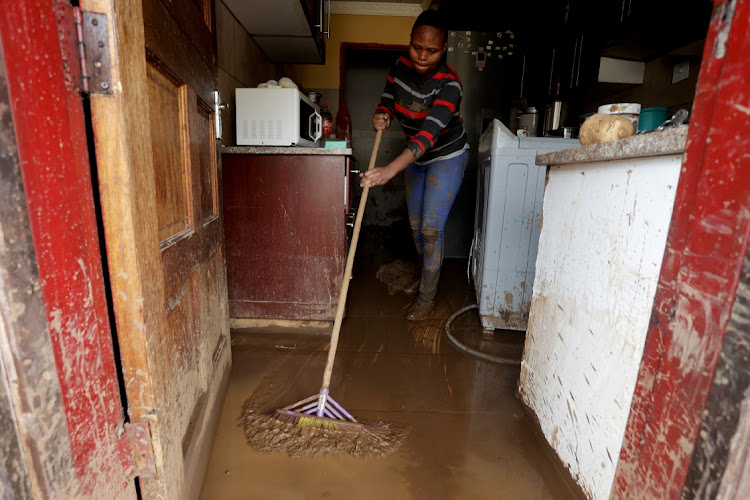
[(469, 436)]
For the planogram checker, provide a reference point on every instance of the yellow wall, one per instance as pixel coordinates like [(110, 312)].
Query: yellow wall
[(355, 29)]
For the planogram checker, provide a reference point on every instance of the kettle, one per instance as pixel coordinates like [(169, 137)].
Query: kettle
[(528, 120)]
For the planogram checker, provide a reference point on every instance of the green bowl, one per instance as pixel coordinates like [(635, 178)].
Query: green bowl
[(650, 118)]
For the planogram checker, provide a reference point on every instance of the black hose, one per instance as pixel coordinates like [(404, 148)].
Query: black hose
[(469, 350)]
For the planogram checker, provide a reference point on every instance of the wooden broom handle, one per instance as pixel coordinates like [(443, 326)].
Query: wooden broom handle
[(348, 270)]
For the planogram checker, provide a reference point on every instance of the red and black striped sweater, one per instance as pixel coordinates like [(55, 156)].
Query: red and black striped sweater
[(427, 106)]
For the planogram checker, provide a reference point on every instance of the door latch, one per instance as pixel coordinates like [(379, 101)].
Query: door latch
[(218, 107)]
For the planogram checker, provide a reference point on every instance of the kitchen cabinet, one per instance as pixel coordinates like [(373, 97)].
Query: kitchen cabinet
[(646, 29), (582, 59), (285, 214), (563, 70), (287, 31), (605, 218)]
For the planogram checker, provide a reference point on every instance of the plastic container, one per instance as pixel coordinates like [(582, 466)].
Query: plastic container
[(627, 109), (582, 118), (343, 123), (650, 118)]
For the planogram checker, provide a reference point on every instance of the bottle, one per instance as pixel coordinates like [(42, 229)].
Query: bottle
[(343, 123), (327, 118)]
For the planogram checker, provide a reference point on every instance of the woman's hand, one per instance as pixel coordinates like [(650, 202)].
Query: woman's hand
[(381, 121), (376, 176), (381, 175)]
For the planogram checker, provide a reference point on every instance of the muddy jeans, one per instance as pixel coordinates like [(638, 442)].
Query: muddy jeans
[(430, 191)]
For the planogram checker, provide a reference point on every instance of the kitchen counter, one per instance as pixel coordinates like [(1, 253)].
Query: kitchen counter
[(278, 150), (605, 219), (666, 142)]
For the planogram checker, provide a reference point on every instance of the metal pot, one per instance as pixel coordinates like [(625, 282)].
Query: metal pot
[(528, 120)]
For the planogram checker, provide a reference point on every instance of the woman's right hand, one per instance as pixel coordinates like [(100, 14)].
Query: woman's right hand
[(381, 121)]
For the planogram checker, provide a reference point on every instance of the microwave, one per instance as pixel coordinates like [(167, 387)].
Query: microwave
[(276, 117)]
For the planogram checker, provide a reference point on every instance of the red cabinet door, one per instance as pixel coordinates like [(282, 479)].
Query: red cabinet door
[(285, 235)]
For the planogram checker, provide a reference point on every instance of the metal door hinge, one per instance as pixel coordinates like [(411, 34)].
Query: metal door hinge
[(136, 451), (84, 44)]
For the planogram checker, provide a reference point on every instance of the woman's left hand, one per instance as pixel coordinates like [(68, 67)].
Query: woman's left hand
[(376, 176)]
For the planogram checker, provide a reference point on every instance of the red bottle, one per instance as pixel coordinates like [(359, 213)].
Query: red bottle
[(325, 115), (343, 123)]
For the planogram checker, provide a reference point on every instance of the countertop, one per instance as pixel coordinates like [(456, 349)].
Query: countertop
[(276, 150), (667, 142)]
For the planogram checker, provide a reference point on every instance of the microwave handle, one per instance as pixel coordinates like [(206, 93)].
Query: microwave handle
[(315, 117)]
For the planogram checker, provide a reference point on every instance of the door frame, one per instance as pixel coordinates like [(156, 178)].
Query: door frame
[(705, 252), (58, 354)]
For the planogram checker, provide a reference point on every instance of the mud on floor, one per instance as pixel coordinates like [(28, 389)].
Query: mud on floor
[(397, 275), (267, 434)]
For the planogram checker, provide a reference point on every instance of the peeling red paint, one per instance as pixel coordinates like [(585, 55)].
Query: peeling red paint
[(52, 149), (705, 250)]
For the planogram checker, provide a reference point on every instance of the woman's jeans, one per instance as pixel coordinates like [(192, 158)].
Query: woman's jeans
[(430, 191)]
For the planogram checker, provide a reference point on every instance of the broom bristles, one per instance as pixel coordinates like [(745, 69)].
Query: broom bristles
[(302, 420)]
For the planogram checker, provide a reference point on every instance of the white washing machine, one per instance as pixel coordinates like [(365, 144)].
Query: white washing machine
[(508, 218)]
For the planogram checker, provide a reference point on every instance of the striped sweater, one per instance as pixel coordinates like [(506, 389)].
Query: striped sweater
[(427, 106)]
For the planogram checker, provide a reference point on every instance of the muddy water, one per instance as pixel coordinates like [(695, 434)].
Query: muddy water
[(468, 434)]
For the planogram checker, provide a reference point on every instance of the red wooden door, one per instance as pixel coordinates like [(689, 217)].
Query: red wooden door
[(706, 246), (159, 181), (56, 344)]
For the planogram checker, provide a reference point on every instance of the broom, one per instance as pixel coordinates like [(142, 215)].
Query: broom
[(321, 410)]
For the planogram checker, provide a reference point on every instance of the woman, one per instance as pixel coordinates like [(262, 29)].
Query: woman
[(423, 93)]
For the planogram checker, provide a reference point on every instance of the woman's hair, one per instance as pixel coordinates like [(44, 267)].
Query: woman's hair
[(434, 19)]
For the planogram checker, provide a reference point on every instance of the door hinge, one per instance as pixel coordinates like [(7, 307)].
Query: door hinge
[(136, 451), (84, 44)]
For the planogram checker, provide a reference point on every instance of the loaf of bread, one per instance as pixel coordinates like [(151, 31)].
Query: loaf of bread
[(604, 128)]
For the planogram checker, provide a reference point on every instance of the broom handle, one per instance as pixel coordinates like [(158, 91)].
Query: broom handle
[(348, 271)]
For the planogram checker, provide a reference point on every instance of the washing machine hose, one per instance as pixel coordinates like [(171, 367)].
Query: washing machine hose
[(469, 350)]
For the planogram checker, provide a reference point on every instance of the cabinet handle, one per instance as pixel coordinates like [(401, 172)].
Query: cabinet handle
[(320, 16), (327, 32), (355, 172), (351, 218), (580, 56), (551, 72), (575, 64)]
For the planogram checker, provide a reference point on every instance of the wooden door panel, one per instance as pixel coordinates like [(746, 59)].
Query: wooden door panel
[(213, 307), (167, 43), (181, 260), (195, 18), (167, 113), (207, 163), (179, 336)]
